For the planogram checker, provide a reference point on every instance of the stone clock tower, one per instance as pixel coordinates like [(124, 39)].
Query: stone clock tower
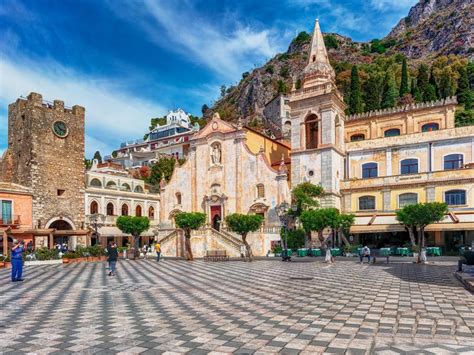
[(317, 125), (46, 152)]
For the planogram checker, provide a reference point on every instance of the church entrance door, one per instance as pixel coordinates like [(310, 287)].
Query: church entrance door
[(216, 217)]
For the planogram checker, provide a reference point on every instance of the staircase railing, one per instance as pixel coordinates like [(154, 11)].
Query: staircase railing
[(169, 236), (227, 238)]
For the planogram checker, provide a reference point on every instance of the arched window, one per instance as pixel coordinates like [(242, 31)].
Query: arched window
[(260, 191), (455, 197), (95, 183), (94, 207), (409, 166), (392, 132), (453, 161), (124, 209), (111, 185), (357, 137), (151, 213), (311, 128), (126, 187), (407, 199), (430, 127), (369, 170), (138, 211), (366, 203), (138, 189), (178, 198), (110, 209)]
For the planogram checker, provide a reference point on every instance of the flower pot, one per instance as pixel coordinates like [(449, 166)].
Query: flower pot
[(8, 264), (2, 264), (65, 261)]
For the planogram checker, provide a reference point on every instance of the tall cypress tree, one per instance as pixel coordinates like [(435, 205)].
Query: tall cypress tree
[(463, 85), (433, 83), (98, 157), (355, 99), (415, 91), (389, 94), (404, 83), (422, 79), (372, 93), (445, 87)]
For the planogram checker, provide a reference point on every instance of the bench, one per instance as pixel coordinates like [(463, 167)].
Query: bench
[(216, 255)]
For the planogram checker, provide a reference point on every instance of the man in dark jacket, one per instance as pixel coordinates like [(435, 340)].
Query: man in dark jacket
[(113, 257)]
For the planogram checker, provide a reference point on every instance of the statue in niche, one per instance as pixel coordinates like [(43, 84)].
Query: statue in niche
[(216, 154)]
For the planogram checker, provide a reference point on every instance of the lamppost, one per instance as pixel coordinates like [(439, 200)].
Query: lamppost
[(282, 210), (96, 220)]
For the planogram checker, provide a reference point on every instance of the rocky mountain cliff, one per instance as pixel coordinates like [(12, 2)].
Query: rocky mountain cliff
[(432, 28), (436, 27)]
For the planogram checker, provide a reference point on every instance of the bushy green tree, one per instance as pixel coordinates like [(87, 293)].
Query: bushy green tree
[(415, 91), (243, 224), (135, 226), (306, 196), (331, 41), (318, 220), (355, 99), (445, 85), (389, 94), (463, 90), (404, 81), (343, 225), (294, 238), (189, 221), (433, 83), (419, 216), (87, 163), (161, 170)]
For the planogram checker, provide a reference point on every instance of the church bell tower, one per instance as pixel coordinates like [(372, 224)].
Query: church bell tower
[(317, 125)]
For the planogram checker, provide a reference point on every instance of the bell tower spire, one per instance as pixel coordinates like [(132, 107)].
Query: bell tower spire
[(318, 70)]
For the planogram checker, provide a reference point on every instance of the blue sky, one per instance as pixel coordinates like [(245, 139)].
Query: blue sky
[(128, 61)]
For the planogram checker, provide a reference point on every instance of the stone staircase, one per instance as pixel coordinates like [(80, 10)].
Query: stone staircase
[(227, 238), (169, 237)]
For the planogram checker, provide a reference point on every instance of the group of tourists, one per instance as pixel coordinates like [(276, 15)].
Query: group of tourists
[(112, 252)]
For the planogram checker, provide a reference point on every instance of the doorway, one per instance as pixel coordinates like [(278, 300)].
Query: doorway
[(216, 217)]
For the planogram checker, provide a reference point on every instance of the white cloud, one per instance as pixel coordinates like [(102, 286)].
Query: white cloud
[(112, 115), (386, 5), (224, 46)]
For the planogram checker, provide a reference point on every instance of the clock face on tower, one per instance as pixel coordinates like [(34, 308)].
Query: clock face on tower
[(60, 129)]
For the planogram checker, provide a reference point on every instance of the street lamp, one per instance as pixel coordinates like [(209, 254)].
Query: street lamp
[(282, 210), (96, 220)]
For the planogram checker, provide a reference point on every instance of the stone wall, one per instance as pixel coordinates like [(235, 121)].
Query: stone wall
[(53, 167)]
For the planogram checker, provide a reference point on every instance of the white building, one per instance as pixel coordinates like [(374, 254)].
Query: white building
[(170, 139), (111, 191)]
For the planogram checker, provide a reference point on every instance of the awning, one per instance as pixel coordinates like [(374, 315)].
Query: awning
[(111, 232)]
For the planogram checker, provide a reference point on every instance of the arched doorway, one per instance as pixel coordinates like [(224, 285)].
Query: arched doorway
[(61, 239), (216, 217)]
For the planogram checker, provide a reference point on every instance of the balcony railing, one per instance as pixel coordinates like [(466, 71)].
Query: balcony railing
[(13, 220)]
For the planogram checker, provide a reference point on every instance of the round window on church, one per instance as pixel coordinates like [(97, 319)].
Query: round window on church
[(311, 173), (60, 129)]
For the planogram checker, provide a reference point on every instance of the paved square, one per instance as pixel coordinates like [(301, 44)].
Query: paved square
[(263, 307)]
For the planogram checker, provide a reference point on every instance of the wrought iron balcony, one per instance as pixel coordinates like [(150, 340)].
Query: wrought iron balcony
[(10, 221)]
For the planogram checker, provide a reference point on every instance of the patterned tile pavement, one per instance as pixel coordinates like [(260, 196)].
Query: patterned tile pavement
[(236, 307)]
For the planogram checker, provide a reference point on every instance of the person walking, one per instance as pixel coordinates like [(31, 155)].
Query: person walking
[(112, 257), (158, 251), (364, 252), (17, 261)]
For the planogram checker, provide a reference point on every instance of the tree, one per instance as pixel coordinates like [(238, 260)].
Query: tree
[(189, 221), (223, 90), (204, 109), (305, 196), (419, 216), (295, 239), (244, 224), (389, 94), (433, 83), (317, 221), (415, 91), (134, 226), (406, 216), (330, 41), (404, 81), (422, 79), (355, 99), (372, 93), (87, 163), (98, 157), (344, 223), (463, 85), (161, 170), (445, 85)]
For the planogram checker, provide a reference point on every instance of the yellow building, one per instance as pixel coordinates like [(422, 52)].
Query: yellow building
[(407, 155)]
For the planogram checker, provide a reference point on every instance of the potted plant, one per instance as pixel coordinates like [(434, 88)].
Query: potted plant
[(277, 250), (68, 257)]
